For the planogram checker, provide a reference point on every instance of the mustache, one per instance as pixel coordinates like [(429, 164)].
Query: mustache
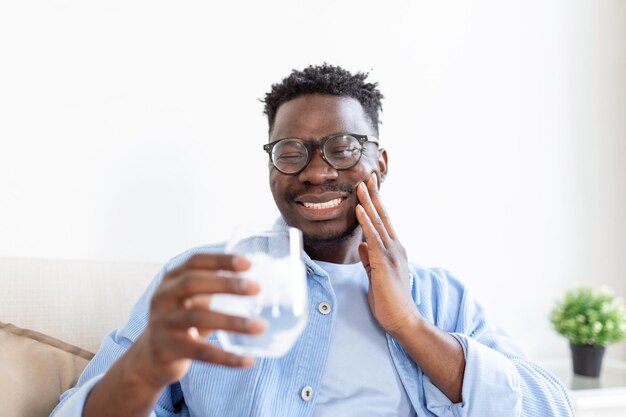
[(309, 189)]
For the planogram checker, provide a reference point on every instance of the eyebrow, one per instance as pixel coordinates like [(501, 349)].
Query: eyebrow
[(318, 139)]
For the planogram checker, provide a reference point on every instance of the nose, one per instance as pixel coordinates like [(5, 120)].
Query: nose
[(318, 171)]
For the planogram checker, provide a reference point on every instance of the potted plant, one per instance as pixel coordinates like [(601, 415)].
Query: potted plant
[(590, 320)]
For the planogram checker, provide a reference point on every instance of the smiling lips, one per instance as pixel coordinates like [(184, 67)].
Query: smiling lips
[(328, 204), (324, 206)]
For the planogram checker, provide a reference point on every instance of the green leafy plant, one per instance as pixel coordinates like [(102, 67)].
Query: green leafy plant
[(588, 317)]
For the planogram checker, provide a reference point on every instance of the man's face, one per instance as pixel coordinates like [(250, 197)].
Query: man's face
[(321, 200)]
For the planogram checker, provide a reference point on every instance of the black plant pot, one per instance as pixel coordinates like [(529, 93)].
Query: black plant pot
[(587, 359)]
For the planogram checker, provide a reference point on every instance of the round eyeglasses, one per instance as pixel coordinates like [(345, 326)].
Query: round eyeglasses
[(340, 151)]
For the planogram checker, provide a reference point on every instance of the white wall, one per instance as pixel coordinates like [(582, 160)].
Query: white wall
[(504, 122)]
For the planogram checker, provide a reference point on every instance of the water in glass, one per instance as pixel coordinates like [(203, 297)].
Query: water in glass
[(277, 265)]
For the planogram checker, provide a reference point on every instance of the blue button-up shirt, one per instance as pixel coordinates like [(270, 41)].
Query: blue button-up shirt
[(498, 380)]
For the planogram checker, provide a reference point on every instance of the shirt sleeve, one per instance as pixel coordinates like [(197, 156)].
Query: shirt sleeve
[(114, 345), (498, 379)]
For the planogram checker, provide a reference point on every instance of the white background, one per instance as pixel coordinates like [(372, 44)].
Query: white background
[(504, 122)]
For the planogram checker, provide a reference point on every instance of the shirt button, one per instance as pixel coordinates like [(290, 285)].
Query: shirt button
[(307, 393), (324, 307)]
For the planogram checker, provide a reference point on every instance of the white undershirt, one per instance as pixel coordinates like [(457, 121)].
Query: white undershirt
[(360, 378)]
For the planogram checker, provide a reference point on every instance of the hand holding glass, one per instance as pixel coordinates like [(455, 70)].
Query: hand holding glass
[(278, 268)]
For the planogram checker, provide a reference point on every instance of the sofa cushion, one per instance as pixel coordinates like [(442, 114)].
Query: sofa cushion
[(76, 301), (35, 369)]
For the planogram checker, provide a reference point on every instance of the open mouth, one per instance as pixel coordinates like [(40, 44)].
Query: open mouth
[(325, 205)]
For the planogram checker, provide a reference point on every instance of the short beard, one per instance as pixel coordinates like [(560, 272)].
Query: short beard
[(325, 241)]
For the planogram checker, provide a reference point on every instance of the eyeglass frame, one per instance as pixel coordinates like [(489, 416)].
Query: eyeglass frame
[(362, 139)]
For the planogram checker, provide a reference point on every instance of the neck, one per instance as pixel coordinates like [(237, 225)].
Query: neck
[(345, 251)]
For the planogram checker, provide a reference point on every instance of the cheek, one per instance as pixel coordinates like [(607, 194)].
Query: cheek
[(277, 186), (273, 184), (365, 169)]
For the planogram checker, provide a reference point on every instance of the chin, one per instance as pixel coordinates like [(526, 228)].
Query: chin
[(322, 236)]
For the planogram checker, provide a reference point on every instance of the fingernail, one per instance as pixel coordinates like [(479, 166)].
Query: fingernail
[(255, 325), (247, 286), (238, 262), (247, 362)]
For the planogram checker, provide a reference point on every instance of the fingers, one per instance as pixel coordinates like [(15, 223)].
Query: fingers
[(374, 194), (180, 318), (205, 320), (176, 289), (363, 194), (205, 352), (212, 262), (369, 230), (365, 258), (217, 261), (372, 204), (202, 300)]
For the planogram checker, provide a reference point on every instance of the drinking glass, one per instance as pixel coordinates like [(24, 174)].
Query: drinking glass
[(278, 268)]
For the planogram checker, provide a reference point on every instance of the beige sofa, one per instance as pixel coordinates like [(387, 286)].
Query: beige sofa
[(53, 316)]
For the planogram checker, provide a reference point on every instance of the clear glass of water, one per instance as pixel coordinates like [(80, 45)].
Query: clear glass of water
[(278, 268)]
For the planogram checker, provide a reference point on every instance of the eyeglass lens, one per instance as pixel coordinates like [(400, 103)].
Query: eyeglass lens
[(341, 152)]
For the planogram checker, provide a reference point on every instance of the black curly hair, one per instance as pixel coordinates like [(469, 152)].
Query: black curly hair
[(325, 79)]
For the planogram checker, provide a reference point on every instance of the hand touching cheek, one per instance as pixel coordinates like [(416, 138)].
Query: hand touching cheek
[(385, 261)]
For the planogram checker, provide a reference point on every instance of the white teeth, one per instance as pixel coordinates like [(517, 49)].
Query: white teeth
[(328, 204)]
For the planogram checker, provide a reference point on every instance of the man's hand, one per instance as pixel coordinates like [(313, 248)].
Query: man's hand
[(438, 353), (385, 261), (180, 319)]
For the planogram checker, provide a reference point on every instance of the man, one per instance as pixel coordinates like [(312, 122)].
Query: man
[(399, 340)]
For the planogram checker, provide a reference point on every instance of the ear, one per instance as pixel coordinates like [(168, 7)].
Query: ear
[(382, 165)]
